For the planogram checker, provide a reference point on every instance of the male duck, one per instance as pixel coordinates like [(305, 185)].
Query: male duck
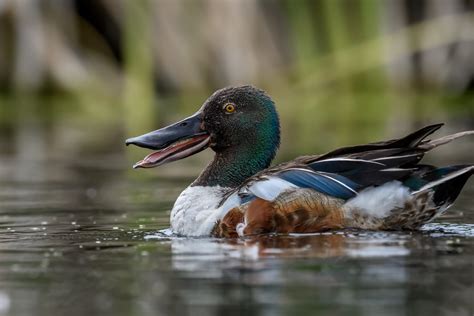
[(378, 186)]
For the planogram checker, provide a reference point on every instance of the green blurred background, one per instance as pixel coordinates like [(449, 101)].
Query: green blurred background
[(77, 77)]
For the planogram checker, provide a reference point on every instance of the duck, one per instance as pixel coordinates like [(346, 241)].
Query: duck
[(375, 186)]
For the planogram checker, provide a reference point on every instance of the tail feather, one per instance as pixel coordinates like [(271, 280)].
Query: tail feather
[(428, 145), (408, 205), (411, 146), (446, 183), (439, 176), (415, 138), (410, 141), (439, 188)]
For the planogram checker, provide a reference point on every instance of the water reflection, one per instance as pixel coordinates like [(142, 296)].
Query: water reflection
[(349, 243), (366, 273), (322, 245)]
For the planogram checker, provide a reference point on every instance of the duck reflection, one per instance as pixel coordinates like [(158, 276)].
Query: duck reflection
[(191, 254)]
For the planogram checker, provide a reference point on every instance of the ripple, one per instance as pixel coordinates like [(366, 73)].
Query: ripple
[(161, 234), (448, 229)]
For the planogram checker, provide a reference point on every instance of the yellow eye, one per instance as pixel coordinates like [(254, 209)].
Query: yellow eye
[(229, 108)]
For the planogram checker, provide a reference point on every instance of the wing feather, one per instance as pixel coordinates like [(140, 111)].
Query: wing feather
[(327, 183)]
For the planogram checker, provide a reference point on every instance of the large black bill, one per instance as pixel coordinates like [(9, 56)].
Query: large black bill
[(166, 136), (173, 142)]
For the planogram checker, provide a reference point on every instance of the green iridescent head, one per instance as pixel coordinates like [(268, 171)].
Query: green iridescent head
[(242, 117), (239, 123), (244, 132)]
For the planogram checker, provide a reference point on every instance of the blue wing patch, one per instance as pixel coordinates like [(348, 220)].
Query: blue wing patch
[(330, 184)]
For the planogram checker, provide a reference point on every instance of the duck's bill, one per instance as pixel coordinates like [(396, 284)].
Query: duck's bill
[(176, 151), (174, 142)]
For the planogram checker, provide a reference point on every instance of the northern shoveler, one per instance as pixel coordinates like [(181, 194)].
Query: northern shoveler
[(376, 186)]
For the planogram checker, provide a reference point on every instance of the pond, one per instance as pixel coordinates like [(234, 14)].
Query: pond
[(88, 237)]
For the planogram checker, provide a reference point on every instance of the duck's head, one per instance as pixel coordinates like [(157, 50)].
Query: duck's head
[(235, 122)]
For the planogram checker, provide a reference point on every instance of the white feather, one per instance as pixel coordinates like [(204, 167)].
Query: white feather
[(379, 201), (218, 214), (240, 229), (196, 210), (270, 188), (349, 159)]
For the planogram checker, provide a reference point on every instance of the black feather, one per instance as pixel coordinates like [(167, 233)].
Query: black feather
[(447, 191), (410, 159), (380, 153), (338, 165), (415, 138), (410, 141), (379, 177)]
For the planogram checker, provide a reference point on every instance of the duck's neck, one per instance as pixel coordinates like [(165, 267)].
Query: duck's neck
[(233, 166)]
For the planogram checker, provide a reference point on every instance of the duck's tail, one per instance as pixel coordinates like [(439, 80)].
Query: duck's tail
[(434, 192), (446, 183), (430, 144), (408, 205)]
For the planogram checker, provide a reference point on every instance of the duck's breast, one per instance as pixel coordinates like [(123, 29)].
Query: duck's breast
[(196, 210)]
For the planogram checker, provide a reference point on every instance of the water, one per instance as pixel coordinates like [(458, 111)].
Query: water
[(89, 237)]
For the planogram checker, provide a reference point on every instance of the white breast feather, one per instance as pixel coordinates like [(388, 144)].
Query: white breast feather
[(379, 201), (196, 210)]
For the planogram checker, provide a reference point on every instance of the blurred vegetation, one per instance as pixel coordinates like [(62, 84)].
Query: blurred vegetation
[(81, 76)]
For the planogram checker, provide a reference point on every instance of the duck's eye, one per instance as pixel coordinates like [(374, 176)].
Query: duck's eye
[(229, 107)]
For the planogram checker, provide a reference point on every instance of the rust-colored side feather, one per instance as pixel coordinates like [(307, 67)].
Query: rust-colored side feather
[(295, 211), (227, 226)]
